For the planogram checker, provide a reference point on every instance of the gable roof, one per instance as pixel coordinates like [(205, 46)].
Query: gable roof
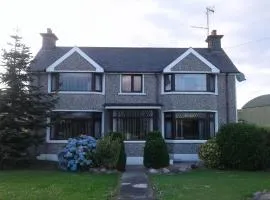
[(133, 59), (213, 68), (51, 68)]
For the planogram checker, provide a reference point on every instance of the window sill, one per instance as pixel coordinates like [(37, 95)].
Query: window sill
[(134, 141), (185, 141), (137, 94), (57, 141), (212, 93), (75, 92)]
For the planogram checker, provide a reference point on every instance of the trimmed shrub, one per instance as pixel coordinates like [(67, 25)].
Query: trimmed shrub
[(243, 146), (107, 152), (155, 151), (122, 159), (210, 153), (77, 154), (121, 162)]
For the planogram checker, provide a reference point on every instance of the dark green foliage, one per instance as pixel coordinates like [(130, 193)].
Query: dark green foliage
[(153, 135), (210, 153), (110, 152), (107, 152), (117, 135), (155, 151), (121, 163), (244, 146), (23, 107), (122, 159)]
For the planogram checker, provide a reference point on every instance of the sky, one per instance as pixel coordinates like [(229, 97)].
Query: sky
[(151, 23)]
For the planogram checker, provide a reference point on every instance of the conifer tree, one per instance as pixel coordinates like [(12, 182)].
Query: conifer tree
[(24, 108)]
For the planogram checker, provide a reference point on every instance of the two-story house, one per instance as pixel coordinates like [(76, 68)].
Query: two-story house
[(186, 93)]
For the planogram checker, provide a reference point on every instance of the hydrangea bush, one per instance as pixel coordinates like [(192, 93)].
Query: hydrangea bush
[(78, 153)]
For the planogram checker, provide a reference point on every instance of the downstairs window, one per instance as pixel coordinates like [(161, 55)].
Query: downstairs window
[(135, 124), (71, 124), (189, 125)]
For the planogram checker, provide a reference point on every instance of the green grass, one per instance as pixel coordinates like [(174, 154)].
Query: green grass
[(56, 185), (210, 185)]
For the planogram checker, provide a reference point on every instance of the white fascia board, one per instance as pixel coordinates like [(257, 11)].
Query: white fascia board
[(168, 68), (69, 53)]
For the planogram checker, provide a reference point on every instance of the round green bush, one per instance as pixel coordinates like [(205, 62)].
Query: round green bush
[(155, 151), (243, 146), (210, 153)]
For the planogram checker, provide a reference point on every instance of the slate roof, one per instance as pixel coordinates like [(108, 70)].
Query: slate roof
[(133, 59), (259, 101)]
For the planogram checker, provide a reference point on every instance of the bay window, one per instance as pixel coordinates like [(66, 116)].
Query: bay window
[(80, 82), (189, 125), (72, 124), (189, 83)]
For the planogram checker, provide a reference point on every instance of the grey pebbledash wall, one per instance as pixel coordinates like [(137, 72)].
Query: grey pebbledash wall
[(113, 89)]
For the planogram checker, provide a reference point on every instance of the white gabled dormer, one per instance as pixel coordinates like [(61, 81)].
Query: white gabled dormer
[(76, 60), (203, 66), (190, 73)]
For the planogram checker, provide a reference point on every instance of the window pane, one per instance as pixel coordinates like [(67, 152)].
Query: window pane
[(75, 81), (190, 82), (98, 82), (211, 83), (168, 82), (126, 83), (137, 83), (168, 129), (55, 81)]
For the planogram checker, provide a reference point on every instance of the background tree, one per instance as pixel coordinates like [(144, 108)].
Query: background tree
[(24, 108)]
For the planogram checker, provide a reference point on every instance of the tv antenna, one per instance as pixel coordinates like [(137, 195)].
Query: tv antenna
[(209, 10)]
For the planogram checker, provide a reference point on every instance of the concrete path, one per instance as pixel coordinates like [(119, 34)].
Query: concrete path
[(135, 185)]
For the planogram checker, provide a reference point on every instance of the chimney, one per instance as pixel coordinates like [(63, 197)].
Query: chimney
[(48, 40), (214, 41)]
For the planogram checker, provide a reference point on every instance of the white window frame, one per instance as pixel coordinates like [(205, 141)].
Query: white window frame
[(75, 92), (163, 92), (131, 93), (186, 141), (48, 129)]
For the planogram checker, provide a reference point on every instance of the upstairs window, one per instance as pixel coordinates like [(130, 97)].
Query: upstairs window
[(131, 83), (189, 83), (78, 82)]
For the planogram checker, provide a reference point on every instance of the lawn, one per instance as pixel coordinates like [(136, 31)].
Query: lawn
[(210, 185), (56, 185)]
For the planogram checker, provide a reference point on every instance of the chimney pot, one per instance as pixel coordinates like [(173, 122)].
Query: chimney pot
[(49, 30), (214, 32)]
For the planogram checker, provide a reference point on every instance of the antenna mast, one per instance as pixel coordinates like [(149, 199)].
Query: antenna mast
[(208, 11)]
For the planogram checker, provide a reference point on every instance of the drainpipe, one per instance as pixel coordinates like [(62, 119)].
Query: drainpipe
[(227, 97), (158, 119)]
